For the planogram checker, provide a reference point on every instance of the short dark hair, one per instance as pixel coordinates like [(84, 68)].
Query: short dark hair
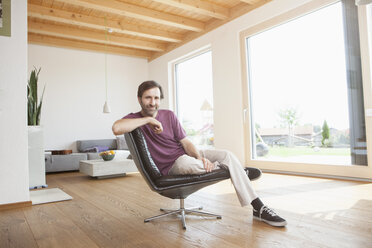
[(149, 85)]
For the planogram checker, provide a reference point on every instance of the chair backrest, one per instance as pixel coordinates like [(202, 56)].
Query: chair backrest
[(142, 158)]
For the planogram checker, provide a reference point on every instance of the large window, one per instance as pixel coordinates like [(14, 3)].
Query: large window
[(305, 89), (194, 97)]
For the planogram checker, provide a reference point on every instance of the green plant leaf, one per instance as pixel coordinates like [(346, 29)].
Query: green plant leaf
[(38, 112), (33, 106)]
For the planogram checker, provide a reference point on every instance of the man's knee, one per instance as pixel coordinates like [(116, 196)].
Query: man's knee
[(226, 153), (230, 158)]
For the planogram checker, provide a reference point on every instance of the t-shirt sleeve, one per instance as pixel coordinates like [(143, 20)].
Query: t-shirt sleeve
[(179, 132), (132, 116)]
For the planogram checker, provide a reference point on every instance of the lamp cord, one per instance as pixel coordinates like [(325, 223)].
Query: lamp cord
[(106, 56)]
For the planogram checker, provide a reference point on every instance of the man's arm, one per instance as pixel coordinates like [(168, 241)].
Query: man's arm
[(123, 126), (191, 150)]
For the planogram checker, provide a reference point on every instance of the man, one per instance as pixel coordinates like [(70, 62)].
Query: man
[(174, 154)]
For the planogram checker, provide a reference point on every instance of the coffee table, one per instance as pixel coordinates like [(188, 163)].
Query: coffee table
[(105, 169)]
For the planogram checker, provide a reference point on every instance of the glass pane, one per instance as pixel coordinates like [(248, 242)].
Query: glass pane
[(302, 99), (194, 88)]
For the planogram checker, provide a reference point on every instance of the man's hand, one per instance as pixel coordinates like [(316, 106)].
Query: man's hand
[(155, 125), (191, 150), (208, 165)]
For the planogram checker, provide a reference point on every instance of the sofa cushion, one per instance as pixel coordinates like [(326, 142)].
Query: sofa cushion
[(121, 143), (82, 145), (91, 149), (97, 149)]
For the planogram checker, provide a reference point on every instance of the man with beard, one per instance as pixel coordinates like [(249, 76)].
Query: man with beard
[(174, 154)]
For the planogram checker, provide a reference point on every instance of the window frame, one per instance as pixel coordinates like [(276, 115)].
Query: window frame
[(329, 170)]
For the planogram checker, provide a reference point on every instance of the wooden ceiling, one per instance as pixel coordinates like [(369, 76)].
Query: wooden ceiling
[(140, 28)]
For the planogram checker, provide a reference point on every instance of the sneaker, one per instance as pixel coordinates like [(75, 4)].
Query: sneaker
[(253, 173), (268, 216)]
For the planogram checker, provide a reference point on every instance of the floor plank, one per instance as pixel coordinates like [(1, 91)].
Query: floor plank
[(14, 230), (110, 213), (51, 228)]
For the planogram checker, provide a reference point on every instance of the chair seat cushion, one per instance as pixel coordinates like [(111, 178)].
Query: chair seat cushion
[(181, 180)]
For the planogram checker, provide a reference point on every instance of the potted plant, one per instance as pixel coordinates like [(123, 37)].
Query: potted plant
[(36, 157)]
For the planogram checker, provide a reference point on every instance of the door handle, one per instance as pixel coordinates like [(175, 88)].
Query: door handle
[(244, 114)]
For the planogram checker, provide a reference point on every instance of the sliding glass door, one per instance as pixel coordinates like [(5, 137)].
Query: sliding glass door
[(305, 96)]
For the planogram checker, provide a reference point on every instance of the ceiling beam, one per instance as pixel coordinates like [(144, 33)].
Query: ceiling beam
[(235, 12), (81, 45), (71, 18), (134, 11), (86, 35), (250, 1), (200, 7)]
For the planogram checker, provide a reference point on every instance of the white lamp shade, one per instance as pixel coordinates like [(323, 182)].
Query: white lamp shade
[(362, 2), (106, 108)]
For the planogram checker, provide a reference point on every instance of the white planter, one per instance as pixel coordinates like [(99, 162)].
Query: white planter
[(36, 157)]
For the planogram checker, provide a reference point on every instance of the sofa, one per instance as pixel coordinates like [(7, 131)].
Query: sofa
[(86, 150)]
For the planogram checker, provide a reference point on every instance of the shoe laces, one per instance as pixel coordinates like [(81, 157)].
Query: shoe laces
[(267, 210)]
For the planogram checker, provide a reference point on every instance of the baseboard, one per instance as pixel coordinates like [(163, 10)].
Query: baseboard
[(317, 175), (15, 205)]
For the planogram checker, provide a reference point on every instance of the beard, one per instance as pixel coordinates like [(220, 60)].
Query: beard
[(149, 110)]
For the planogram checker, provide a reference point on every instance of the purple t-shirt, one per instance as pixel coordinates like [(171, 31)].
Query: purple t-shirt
[(165, 147)]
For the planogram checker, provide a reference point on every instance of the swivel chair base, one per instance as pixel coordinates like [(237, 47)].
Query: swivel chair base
[(183, 212)]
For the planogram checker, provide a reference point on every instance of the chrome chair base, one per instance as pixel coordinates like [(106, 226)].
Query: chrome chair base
[(183, 212)]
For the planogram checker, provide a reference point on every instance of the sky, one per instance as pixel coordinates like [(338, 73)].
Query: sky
[(301, 65)]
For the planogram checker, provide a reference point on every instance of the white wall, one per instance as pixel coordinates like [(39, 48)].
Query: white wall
[(224, 41), (13, 123), (75, 92)]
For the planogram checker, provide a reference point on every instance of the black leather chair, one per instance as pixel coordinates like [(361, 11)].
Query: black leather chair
[(174, 187)]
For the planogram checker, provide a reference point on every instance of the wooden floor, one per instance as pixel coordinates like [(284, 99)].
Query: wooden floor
[(110, 213)]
